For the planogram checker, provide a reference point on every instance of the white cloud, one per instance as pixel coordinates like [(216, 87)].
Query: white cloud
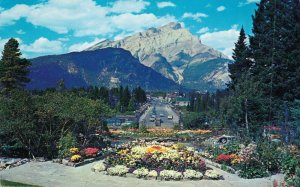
[(129, 6), (43, 45), (197, 16), (203, 30), (137, 22), (10, 16), (222, 40), (20, 32), (86, 18), (85, 45), (253, 1), (165, 4), (248, 2), (221, 8)]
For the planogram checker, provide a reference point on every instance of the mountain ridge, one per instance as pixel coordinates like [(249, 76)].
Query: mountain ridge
[(170, 50), (95, 68)]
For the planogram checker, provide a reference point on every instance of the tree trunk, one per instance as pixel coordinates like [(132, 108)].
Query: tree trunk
[(246, 115)]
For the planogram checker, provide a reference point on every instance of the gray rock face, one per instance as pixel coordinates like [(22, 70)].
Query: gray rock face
[(171, 50)]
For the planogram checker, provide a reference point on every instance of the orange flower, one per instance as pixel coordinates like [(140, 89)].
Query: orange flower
[(156, 148)]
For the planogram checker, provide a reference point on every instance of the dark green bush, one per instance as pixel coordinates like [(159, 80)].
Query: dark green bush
[(65, 144), (270, 155), (252, 169)]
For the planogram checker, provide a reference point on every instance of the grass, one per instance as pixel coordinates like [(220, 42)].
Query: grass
[(10, 183)]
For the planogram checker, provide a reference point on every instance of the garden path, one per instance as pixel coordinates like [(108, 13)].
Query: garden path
[(57, 175)]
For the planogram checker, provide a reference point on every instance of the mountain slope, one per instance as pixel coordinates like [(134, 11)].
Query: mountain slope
[(99, 68), (171, 50)]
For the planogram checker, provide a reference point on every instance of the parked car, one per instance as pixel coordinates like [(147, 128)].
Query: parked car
[(170, 117)]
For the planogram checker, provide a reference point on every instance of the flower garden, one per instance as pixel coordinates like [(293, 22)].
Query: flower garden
[(154, 160), (157, 156), (251, 160), (160, 132)]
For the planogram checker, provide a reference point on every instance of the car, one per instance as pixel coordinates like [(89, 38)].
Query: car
[(152, 119), (153, 116), (170, 117), (161, 115), (225, 139)]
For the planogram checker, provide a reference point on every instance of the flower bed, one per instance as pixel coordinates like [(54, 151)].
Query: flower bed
[(77, 157), (255, 160), (165, 161), (160, 132)]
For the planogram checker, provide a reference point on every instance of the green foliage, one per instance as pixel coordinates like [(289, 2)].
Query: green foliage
[(13, 68), (15, 184), (65, 144), (252, 169), (176, 127), (193, 120), (143, 129), (294, 124), (289, 163), (139, 95), (295, 179), (269, 155), (241, 64), (37, 122), (134, 125)]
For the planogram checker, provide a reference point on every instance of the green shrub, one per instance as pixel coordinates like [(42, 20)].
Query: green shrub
[(65, 144), (289, 163), (270, 155), (176, 127), (293, 180), (143, 129), (252, 169)]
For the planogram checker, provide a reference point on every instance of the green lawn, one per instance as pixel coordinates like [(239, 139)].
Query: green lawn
[(10, 183)]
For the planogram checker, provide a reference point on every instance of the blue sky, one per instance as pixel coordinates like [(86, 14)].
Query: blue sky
[(58, 26)]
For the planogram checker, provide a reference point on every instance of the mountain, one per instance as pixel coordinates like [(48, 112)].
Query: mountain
[(102, 67), (176, 54)]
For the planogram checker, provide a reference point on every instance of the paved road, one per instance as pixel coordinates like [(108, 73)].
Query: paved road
[(161, 110)]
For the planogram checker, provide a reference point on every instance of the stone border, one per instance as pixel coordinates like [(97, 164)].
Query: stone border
[(7, 163)]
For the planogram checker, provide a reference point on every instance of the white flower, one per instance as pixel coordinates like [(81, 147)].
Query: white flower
[(100, 166), (212, 174), (141, 172), (119, 170), (192, 174), (190, 149), (170, 174), (152, 173)]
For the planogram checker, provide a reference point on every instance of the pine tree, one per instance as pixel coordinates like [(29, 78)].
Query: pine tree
[(241, 63), (273, 40), (13, 68)]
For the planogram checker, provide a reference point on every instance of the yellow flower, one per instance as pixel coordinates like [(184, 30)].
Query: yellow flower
[(74, 150), (75, 158)]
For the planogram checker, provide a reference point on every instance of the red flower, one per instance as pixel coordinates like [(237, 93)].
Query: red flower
[(223, 158), (90, 152)]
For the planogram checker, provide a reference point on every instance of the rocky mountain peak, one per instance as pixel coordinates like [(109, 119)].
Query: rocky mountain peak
[(170, 50)]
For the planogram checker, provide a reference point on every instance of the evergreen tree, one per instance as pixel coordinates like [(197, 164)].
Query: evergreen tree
[(241, 63), (274, 38), (13, 68), (131, 105)]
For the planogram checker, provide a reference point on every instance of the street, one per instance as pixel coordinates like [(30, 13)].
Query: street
[(159, 110)]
